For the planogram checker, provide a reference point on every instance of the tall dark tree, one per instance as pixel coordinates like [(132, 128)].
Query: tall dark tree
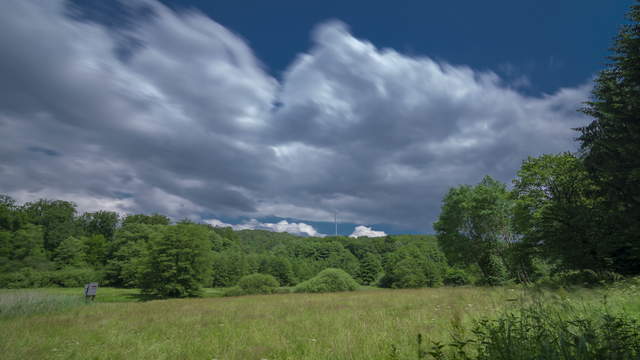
[(611, 143), (559, 215)]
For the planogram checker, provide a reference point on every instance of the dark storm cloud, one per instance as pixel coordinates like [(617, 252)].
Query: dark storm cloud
[(189, 123)]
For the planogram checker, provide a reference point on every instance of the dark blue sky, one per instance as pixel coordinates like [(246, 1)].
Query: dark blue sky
[(553, 43)]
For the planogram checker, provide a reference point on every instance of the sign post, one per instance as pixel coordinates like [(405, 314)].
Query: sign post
[(90, 290)]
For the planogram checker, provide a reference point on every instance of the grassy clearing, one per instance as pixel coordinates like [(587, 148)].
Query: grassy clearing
[(355, 325), (105, 294)]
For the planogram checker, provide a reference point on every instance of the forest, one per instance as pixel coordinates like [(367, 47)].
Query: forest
[(566, 218)]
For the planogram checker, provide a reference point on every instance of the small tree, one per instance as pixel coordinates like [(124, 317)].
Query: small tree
[(179, 262)]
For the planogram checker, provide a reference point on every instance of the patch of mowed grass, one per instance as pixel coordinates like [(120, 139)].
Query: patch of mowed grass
[(350, 325)]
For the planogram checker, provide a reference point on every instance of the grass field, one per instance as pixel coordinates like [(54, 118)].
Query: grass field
[(364, 324)]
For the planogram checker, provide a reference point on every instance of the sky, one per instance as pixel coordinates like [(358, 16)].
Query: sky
[(280, 115)]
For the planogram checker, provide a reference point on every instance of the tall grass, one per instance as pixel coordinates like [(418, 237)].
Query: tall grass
[(373, 324), (26, 302), (544, 329)]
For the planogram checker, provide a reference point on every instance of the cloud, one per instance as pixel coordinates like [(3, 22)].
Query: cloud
[(175, 123), (186, 121), (282, 226), (366, 231)]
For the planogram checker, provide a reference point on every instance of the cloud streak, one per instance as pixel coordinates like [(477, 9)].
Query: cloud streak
[(190, 123)]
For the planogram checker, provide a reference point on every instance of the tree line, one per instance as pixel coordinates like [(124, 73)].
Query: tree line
[(567, 217), (46, 243), (565, 212)]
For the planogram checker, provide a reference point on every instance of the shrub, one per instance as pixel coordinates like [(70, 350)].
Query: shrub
[(258, 284), (545, 332), (328, 280), (456, 277)]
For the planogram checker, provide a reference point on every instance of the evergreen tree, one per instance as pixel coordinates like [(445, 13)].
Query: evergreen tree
[(611, 145)]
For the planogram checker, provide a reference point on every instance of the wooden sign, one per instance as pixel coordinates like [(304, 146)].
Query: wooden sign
[(90, 290)]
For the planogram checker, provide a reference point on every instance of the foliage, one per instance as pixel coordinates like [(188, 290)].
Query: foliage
[(328, 280), (178, 262), (155, 219), (254, 284), (56, 217), (475, 226), (493, 269), (456, 277), (546, 332), (413, 266), (611, 145), (370, 268), (581, 278), (279, 267), (128, 252), (95, 248), (67, 277), (228, 267), (70, 253), (558, 215), (99, 223)]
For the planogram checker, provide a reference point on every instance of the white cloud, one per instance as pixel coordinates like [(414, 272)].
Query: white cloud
[(366, 231), (184, 124), (282, 226)]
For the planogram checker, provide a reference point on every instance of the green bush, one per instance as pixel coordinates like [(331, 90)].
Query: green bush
[(258, 284), (456, 277), (544, 332), (328, 280)]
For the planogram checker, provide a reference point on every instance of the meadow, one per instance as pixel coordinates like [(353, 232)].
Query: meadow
[(366, 324)]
